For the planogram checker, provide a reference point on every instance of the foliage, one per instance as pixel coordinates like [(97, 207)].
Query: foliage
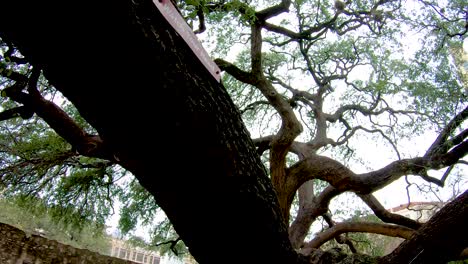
[(344, 74)]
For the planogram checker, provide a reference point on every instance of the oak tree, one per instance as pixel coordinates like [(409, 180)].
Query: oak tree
[(318, 79)]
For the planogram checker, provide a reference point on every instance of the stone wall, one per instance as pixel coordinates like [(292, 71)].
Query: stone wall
[(17, 247)]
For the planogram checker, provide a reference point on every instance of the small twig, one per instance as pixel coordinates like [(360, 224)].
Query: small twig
[(173, 245)]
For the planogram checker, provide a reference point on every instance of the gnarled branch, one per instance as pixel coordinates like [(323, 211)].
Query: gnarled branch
[(376, 228), (385, 215)]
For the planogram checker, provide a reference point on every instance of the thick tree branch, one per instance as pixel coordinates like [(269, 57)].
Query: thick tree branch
[(341, 177), (340, 239), (290, 126), (385, 215), (234, 71), (274, 10), (263, 144), (57, 119), (319, 167), (281, 30), (344, 179), (256, 42), (416, 166), (439, 145), (307, 215), (306, 198), (375, 228)]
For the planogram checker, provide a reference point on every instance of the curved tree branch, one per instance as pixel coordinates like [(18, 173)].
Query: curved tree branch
[(342, 178), (307, 215), (235, 72), (59, 120), (366, 111), (274, 10), (340, 239), (340, 228), (263, 144), (417, 166), (385, 215), (441, 145)]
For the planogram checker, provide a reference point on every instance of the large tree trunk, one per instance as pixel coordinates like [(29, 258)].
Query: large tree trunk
[(166, 119)]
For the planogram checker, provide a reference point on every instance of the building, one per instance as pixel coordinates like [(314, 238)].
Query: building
[(123, 250), (418, 211)]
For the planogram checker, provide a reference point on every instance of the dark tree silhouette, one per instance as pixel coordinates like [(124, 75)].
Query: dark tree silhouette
[(159, 114)]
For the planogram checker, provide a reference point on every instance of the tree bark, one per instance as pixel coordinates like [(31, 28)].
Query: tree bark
[(441, 239), (163, 116)]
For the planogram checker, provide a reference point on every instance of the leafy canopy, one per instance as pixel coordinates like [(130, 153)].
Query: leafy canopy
[(326, 77)]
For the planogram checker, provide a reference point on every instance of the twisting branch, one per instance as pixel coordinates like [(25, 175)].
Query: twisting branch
[(385, 215), (339, 176), (416, 166), (307, 215), (340, 239), (441, 145), (234, 71), (340, 228), (281, 30), (436, 181), (173, 245)]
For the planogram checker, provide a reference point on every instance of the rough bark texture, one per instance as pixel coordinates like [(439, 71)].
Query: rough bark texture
[(163, 116), (441, 239)]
